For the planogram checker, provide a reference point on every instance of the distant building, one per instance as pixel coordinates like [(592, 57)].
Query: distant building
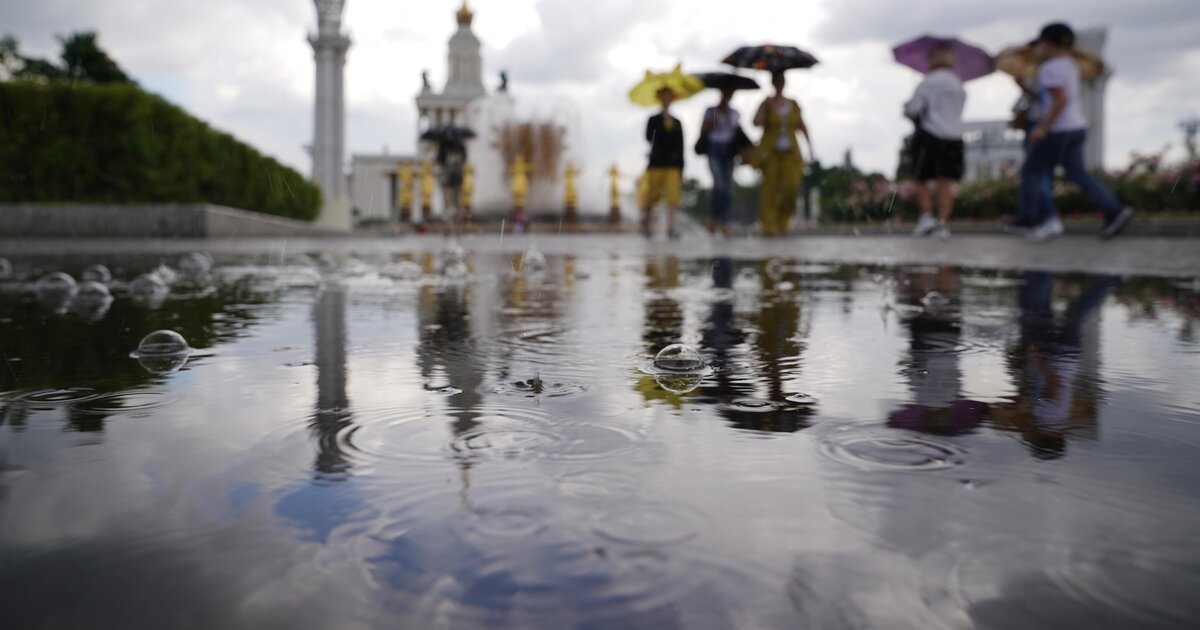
[(372, 176), (993, 150)]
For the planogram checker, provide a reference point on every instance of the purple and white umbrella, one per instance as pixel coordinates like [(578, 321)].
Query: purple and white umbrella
[(972, 62)]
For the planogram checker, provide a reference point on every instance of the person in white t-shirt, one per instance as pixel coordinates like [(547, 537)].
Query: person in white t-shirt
[(1059, 140), (937, 147)]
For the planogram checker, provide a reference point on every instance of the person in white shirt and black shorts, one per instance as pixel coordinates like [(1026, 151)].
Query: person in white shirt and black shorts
[(937, 147)]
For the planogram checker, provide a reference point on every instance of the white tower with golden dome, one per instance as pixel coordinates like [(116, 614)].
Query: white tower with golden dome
[(464, 80)]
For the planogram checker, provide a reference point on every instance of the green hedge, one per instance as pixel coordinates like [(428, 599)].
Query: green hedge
[(119, 144)]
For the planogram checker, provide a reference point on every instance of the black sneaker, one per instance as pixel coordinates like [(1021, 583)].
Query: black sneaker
[(1113, 226)]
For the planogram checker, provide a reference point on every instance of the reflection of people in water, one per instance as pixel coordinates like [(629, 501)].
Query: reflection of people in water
[(932, 366), (739, 372), (1054, 366), (663, 323)]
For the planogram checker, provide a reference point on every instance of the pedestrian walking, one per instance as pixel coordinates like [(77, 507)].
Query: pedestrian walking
[(779, 158), (722, 140), (937, 149), (1058, 140), (664, 132)]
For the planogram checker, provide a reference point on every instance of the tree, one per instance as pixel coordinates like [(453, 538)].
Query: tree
[(83, 60)]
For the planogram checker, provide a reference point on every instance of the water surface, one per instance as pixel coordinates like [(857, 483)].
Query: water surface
[(911, 447)]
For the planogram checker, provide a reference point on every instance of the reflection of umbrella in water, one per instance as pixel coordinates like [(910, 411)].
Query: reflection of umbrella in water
[(727, 81), (1022, 63), (971, 62), (770, 57), (961, 417), (682, 85), (448, 133)]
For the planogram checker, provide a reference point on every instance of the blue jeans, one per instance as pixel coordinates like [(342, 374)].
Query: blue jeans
[(720, 162), (1036, 193)]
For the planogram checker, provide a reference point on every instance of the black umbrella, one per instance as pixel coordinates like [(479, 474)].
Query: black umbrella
[(770, 57), (448, 133), (727, 81)]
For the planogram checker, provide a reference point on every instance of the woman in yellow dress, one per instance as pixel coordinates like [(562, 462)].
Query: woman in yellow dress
[(779, 158)]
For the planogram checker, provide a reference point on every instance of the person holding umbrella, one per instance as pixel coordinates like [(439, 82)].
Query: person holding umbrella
[(779, 158), (1059, 140), (778, 153), (937, 149), (664, 132), (451, 160), (722, 139)]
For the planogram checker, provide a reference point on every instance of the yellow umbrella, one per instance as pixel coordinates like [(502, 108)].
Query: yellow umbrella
[(683, 85), (1020, 62)]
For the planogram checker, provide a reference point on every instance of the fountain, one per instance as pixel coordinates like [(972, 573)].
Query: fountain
[(547, 140)]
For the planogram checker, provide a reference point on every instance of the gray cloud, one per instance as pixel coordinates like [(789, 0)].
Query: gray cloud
[(573, 39)]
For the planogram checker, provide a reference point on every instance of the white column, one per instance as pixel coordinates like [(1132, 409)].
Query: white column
[(329, 120)]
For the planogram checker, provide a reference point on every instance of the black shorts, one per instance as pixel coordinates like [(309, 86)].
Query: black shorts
[(935, 158)]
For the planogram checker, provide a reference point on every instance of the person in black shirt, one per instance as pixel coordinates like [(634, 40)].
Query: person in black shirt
[(451, 157), (664, 175)]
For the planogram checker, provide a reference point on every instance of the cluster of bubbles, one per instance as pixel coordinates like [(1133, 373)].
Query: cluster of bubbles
[(91, 297), (162, 352)]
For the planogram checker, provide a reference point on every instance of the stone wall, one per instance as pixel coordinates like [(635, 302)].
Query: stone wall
[(145, 220)]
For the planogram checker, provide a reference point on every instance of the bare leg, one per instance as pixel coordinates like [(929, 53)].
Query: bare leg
[(671, 219), (924, 202), (945, 198)]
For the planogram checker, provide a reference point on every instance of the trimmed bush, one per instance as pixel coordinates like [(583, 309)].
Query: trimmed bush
[(119, 144)]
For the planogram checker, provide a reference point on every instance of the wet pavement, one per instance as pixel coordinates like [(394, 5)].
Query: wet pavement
[(359, 433)]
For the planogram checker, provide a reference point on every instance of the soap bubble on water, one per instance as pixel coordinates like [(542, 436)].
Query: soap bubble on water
[(775, 268), (934, 301), (96, 273), (678, 358), (747, 278), (801, 399), (91, 293), (403, 270), (148, 285), (54, 291), (92, 301), (195, 264), (533, 261), (166, 274), (55, 283), (456, 270), (453, 253), (162, 352)]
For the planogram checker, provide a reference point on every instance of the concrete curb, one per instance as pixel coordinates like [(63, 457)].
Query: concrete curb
[(196, 220)]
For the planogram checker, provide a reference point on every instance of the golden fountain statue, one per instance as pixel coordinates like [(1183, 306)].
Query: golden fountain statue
[(468, 189), (428, 183), (520, 182), (404, 191), (571, 192), (614, 195)]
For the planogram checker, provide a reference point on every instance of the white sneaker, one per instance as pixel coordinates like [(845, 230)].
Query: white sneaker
[(942, 231), (925, 225), (1051, 228)]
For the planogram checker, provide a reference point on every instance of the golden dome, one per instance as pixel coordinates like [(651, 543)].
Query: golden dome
[(465, 15)]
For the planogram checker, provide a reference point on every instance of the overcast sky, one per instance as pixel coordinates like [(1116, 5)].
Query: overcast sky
[(245, 66)]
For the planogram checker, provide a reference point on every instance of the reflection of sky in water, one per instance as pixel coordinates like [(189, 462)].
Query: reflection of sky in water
[(307, 472)]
